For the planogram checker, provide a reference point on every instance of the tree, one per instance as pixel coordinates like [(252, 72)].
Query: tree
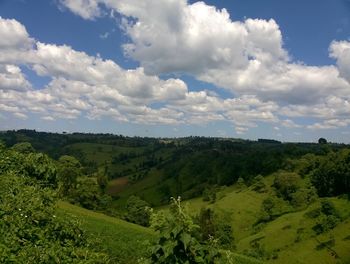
[(322, 141), (178, 242), (86, 193), (30, 229), (217, 226), (286, 183), (138, 211), (331, 176), (69, 169), (41, 167), (23, 147)]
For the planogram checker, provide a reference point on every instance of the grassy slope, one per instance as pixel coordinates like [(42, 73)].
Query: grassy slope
[(244, 205), (124, 241), (280, 236)]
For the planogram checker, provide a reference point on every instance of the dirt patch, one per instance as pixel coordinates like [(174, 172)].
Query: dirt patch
[(117, 185)]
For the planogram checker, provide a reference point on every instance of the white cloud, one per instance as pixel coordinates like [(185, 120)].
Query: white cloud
[(172, 36), (13, 35), (87, 9), (289, 124), (330, 124), (340, 50), (12, 78), (80, 83), (104, 35)]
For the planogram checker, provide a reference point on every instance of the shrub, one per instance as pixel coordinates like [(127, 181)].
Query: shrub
[(258, 184), (209, 195), (303, 197), (217, 226), (177, 241), (138, 211), (30, 230), (286, 184)]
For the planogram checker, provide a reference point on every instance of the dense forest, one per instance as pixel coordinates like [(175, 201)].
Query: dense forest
[(64, 194)]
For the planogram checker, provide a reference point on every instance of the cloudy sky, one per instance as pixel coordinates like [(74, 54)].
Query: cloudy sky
[(236, 68)]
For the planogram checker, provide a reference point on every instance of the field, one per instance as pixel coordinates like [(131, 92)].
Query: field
[(286, 203), (125, 242), (287, 239)]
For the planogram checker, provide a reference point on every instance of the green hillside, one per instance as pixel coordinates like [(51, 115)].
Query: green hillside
[(250, 200), (125, 242), (287, 239)]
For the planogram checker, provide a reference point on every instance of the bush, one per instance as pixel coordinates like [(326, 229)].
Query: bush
[(273, 207), (303, 197), (328, 218), (217, 226), (332, 175), (30, 230), (286, 184), (23, 147), (177, 241), (209, 195), (259, 185), (138, 211), (325, 223), (87, 193)]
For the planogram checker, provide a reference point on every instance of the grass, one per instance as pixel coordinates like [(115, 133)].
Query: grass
[(124, 242), (287, 239)]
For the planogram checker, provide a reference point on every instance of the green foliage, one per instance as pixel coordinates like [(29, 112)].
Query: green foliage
[(34, 165), (138, 211), (209, 195), (325, 223), (328, 208), (23, 147), (322, 141), (102, 181), (41, 167), (327, 219), (123, 241), (240, 183), (259, 185), (272, 207), (177, 242), (87, 193), (331, 176), (30, 231), (69, 169), (217, 226), (303, 197), (286, 184)]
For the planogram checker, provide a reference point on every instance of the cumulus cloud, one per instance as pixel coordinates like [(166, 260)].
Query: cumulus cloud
[(14, 36), (84, 85), (12, 78), (80, 85), (340, 50), (88, 9), (246, 58)]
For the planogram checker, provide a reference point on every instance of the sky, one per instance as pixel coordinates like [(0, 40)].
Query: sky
[(172, 68)]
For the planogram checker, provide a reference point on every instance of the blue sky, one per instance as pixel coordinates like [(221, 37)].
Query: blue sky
[(249, 69)]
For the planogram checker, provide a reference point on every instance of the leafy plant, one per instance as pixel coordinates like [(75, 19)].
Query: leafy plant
[(138, 211), (30, 230), (178, 242)]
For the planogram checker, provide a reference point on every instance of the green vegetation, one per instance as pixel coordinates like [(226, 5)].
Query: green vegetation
[(124, 242), (246, 201), (30, 231)]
